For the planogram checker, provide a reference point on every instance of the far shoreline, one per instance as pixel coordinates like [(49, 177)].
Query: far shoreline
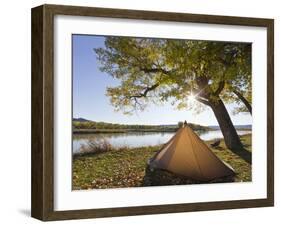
[(171, 130), (94, 131)]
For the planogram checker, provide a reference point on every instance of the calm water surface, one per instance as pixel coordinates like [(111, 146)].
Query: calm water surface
[(140, 139)]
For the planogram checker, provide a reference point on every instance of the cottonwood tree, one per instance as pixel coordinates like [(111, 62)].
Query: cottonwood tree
[(239, 89), (158, 70)]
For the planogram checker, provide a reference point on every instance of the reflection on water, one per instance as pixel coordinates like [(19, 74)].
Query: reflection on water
[(140, 139)]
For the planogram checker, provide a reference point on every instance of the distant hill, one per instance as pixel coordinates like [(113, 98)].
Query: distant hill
[(80, 120)]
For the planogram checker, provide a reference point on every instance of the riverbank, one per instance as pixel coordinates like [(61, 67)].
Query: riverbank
[(127, 167), (93, 131), (84, 126)]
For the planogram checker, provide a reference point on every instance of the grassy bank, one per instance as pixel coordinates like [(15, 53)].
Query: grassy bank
[(127, 167), (91, 131)]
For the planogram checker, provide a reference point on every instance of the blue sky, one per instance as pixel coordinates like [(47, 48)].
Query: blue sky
[(90, 101)]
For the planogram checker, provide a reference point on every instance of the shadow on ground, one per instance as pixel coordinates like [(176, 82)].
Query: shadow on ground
[(244, 154), (158, 177)]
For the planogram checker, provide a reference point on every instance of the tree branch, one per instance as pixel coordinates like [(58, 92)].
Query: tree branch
[(155, 70), (244, 100), (220, 88), (203, 101), (145, 92)]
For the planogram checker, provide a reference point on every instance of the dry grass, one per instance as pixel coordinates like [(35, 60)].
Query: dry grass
[(94, 146)]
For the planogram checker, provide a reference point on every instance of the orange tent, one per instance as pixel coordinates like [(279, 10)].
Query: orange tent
[(187, 155)]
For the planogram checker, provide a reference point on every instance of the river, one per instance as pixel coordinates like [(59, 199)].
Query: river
[(140, 139)]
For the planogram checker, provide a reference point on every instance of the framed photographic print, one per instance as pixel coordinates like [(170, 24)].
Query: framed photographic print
[(141, 112)]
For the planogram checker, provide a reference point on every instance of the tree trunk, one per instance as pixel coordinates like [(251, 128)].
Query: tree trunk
[(231, 138), (244, 100)]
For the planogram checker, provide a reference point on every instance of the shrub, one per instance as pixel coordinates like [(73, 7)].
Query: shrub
[(96, 146)]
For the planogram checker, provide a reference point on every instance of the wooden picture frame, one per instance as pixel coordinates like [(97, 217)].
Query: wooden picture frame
[(42, 203)]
